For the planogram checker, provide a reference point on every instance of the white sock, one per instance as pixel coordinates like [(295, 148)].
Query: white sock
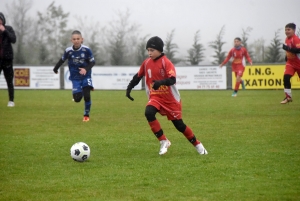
[(288, 92)]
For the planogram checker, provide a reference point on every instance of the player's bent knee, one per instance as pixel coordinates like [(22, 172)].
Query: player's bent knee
[(77, 100), (77, 97), (150, 116), (179, 125), (150, 112)]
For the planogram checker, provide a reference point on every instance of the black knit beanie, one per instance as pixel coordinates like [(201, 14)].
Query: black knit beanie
[(155, 43)]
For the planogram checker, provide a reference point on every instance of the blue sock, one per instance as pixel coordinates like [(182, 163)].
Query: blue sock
[(87, 108)]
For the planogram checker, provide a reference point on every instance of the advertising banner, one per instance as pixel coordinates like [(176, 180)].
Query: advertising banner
[(116, 78), (22, 77), (201, 77), (266, 77), (110, 78), (33, 78), (208, 77)]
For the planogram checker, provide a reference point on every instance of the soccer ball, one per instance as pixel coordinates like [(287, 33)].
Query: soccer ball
[(80, 151)]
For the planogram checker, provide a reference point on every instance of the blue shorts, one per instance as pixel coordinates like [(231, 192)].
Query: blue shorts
[(78, 85)]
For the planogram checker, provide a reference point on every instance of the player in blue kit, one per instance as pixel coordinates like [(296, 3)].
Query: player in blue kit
[(80, 61)]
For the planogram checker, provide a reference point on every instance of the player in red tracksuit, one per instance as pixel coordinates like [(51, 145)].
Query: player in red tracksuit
[(292, 48), (238, 53), (160, 79)]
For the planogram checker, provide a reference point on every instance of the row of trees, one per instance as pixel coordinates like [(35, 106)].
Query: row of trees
[(117, 44)]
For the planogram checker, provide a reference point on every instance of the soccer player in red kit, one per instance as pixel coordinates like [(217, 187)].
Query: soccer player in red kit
[(292, 48), (160, 79), (238, 53)]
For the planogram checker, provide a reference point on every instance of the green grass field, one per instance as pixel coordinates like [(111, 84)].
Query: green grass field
[(252, 140)]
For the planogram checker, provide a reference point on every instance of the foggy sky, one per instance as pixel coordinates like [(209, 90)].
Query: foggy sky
[(186, 17)]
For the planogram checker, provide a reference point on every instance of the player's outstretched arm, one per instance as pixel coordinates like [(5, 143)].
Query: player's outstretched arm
[(135, 80), (56, 67)]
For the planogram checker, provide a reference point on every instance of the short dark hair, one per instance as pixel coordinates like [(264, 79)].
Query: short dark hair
[(76, 32), (238, 38), (290, 25)]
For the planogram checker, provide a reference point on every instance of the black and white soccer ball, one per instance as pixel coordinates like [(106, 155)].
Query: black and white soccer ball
[(80, 151)]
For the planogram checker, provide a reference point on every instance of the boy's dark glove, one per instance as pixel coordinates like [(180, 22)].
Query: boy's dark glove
[(157, 84), (128, 90), (55, 70), (286, 48)]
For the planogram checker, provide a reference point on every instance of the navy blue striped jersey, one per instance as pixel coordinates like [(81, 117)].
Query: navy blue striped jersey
[(78, 59)]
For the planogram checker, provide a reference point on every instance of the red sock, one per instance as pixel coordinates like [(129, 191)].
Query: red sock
[(188, 133), (155, 127), (163, 137), (237, 85)]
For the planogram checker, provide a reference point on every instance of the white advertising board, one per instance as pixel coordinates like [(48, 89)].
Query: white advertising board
[(33, 78), (201, 77), (110, 78), (116, 78)]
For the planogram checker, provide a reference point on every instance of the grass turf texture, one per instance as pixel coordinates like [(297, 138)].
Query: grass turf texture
[(252, 140)]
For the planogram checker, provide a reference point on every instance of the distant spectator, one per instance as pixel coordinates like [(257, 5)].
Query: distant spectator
[(7, 37)]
